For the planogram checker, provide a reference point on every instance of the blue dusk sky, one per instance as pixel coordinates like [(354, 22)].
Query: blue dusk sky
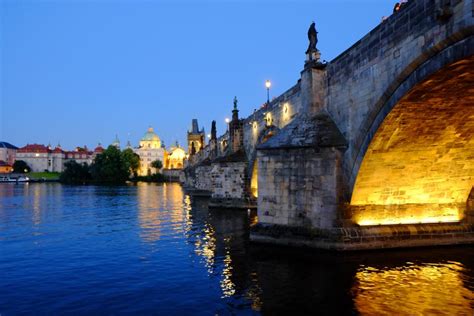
[(80, 72)]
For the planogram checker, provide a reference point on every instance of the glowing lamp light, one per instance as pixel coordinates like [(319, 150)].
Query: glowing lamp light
[(208, 135), (227, 120), (268, 84)]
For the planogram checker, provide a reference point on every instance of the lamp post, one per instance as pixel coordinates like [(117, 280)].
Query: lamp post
[(268, 84)]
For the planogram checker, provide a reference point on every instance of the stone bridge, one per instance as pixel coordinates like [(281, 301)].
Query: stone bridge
[(374, 145)]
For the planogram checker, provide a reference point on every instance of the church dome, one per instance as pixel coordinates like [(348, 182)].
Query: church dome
[(150, 135)]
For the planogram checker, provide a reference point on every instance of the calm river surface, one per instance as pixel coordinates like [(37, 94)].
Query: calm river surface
[(150, 249)]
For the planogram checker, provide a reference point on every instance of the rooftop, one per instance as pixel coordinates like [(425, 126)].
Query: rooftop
[(7, 145)]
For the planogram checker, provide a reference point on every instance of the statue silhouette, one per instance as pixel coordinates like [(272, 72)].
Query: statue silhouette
[(313, 39)]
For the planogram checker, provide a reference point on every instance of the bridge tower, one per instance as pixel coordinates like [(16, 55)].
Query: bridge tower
[(195, 138)]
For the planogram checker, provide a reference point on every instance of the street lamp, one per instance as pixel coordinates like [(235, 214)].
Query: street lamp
[(268, 84)]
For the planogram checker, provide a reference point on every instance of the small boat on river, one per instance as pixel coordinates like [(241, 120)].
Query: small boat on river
[(7, 179)]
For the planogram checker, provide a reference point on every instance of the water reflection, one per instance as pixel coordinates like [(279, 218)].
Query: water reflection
[(149, 211), (228, 287), (150, 248), (31, 198), (277, 280), (159, 207), (420, 289), (220, 238)]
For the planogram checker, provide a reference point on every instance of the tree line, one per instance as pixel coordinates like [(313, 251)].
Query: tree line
[(112, 166)]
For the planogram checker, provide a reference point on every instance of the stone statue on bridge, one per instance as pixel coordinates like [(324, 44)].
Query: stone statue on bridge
[(313, 38), (312, 53), (235, 103)]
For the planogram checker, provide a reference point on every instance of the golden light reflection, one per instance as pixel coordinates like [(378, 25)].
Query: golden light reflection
[(149, 212), (420, 289), (227, 286), (205, 247), (254, 293), (187, 213), (173, 197), (160, 205)]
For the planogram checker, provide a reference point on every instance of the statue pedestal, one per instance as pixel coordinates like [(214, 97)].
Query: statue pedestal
[(313, 56)]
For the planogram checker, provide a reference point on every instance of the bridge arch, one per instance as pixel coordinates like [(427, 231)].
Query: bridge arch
[(416, 161), (455, 48)]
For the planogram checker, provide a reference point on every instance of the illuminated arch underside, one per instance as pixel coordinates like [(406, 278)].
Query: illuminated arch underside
[(419, 165)]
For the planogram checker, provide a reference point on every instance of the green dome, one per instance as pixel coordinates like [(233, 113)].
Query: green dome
[(150, 135)]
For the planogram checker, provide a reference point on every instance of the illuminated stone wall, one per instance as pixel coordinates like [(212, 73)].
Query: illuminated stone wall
[(423, 153)]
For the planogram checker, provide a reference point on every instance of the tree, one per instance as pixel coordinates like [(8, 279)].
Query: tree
[(157, 164), (20, 166), (133, 161), (110, 167), (75, 173)]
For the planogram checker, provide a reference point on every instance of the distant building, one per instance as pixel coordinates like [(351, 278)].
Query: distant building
[(8, 152), (149, 150), (195, 138), (175, 158), (38, 157), (43, 158), (98, 150)]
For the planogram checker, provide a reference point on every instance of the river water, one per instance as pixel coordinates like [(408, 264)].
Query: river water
[(150, 249)]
